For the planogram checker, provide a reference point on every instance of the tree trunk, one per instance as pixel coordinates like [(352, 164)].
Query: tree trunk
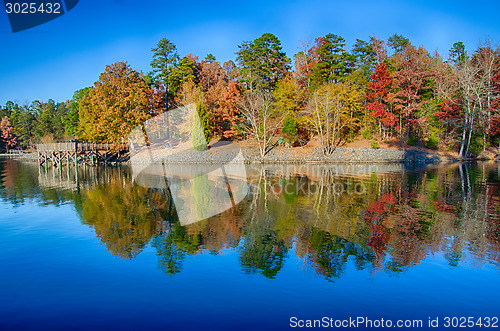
[(464, 133)]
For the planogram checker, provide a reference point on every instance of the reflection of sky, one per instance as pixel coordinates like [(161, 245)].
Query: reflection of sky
[(54, 271), (68, 53)]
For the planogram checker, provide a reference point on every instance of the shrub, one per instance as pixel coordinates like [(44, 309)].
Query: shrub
[(412, 140), (476, 145), (375, 145), (366, 134), (432, 142), (289, 129)]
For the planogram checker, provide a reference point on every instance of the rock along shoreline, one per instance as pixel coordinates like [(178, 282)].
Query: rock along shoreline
[(286, 156), (351, 155), (297, 156)]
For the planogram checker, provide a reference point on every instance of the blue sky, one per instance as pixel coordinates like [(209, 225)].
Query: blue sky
[(57, 58)]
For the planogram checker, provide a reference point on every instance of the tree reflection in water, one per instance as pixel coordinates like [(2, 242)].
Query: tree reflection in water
[(379, 221)]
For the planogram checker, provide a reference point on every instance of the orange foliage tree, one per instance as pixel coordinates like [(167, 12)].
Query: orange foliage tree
[(7, 138), (223, 100), (118, 102)]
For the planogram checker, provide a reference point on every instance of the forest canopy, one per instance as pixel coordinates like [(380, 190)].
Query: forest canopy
[(379, 90)]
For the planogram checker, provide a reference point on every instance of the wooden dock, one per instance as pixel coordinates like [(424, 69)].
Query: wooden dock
[(73, 153)]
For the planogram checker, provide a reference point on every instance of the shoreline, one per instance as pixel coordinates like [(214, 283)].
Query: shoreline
[(283, 155), (249, 154)]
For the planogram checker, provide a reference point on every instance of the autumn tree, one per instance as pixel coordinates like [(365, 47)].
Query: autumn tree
[(333, 112), (263, 62), (261, 122), (304, 63), (379, 49), (118, 102), (469, 90), (189, 93), (448, 120), (290, 99), (495, 117), (7, 138), (303, 66), (224, 100), (487, 61), (231, 70), (211, 72), (410, 81), (445, 111), (378, 97), (461, 85)]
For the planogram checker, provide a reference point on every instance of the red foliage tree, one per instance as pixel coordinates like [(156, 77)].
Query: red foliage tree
[(495, 107), (7, 137), (378, 97), (449, 116), (410, 80)]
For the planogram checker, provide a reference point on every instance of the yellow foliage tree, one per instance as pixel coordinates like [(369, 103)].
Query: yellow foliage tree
[(332, 111), (118, 102), (190, 93)]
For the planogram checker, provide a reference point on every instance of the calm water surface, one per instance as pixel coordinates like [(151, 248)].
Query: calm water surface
[(94, 250)]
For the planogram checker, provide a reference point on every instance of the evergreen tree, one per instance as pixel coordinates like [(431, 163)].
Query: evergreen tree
[(45, 118), (398, 42), (333, 63), (200, 129), (263, 62), (72, 117), (365, 58), (23, 121), (210, 58), (165, 57), (184, 71), (458, 55)]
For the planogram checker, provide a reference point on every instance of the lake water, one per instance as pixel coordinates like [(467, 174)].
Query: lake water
[(94, 249)]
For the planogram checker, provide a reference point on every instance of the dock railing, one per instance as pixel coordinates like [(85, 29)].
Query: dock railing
[(72, 146)]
